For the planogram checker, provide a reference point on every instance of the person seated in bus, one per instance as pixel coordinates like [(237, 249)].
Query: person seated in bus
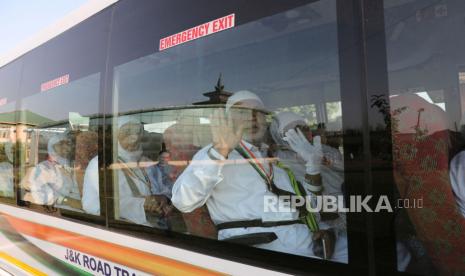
[(179, 142), (6, 171), (90, 188), (139, 201), (331, 164), (331, 160), (164, 173), (52, 182), (234, 179)]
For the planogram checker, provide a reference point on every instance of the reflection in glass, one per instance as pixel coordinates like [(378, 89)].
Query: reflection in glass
[(290, 61), (57, 138), (140, 199), (425, 59), (6, 170), (233, 175), (53, 181)]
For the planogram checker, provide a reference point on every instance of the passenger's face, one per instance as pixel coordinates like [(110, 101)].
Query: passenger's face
[(305, 131), (129, 136), (254, 122), (63, 148), (164, 158)]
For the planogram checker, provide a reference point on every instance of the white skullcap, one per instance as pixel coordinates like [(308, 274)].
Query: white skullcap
[(287, 120), (55, 140), (51, 148), (123, 120), (247, 99), (282, 122)]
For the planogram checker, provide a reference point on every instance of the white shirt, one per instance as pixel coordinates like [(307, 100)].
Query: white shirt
[(234, 191), (457, 179), (332, 175), (48, 182), (90, 189), (223, 185), (6, 179), (131, 207)]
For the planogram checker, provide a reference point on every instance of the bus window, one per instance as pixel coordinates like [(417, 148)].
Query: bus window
[(425, 70), (208, 132), (9, 78), (61, 141), (59, 114)]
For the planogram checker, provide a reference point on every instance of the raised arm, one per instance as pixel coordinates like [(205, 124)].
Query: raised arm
[(195, 185)]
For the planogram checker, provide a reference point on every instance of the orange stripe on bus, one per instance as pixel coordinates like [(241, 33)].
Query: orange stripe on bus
[(129, 257)]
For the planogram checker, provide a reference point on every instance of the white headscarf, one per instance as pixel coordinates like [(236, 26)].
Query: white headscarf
[(51, 149), (283, 122), (129, 156)]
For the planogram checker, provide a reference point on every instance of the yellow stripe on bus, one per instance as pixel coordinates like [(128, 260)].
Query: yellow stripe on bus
[(21, 264)]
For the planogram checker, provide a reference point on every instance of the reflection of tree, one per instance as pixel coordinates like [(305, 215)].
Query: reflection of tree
[(381, 137), (333, 109), (382, 104)]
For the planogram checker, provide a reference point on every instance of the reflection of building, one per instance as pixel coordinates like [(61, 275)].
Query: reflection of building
[(14, 125), (219, 96)]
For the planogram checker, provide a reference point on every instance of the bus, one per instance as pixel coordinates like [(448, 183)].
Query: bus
[(148, 137)]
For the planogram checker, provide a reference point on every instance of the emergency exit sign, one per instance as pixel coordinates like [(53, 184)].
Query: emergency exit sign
[(196, 32), (54, 83)]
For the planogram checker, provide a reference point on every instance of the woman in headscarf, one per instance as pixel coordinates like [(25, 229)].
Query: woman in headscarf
[(6, 172), (52, 182), (139, 201)]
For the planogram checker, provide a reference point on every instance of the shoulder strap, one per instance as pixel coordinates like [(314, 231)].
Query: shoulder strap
[(135, 191), (269, 181), (307, 217)]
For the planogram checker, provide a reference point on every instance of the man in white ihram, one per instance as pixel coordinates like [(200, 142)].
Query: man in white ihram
[(234, 187)]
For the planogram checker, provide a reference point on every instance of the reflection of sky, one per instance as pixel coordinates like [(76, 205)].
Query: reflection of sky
[(9, 107), (424, 44), (290, 65), (79, 96), (20, 20)]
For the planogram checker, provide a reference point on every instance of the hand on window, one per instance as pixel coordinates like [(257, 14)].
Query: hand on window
[(226, 136), (151, 204), (312, 154), (155, 204)]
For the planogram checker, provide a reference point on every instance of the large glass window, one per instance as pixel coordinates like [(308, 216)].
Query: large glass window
[(9, 78), (425, 69), (60, 142), (207, 132), (58, 118)]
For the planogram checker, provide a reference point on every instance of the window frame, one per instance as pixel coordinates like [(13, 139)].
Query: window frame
[(361, 49)]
